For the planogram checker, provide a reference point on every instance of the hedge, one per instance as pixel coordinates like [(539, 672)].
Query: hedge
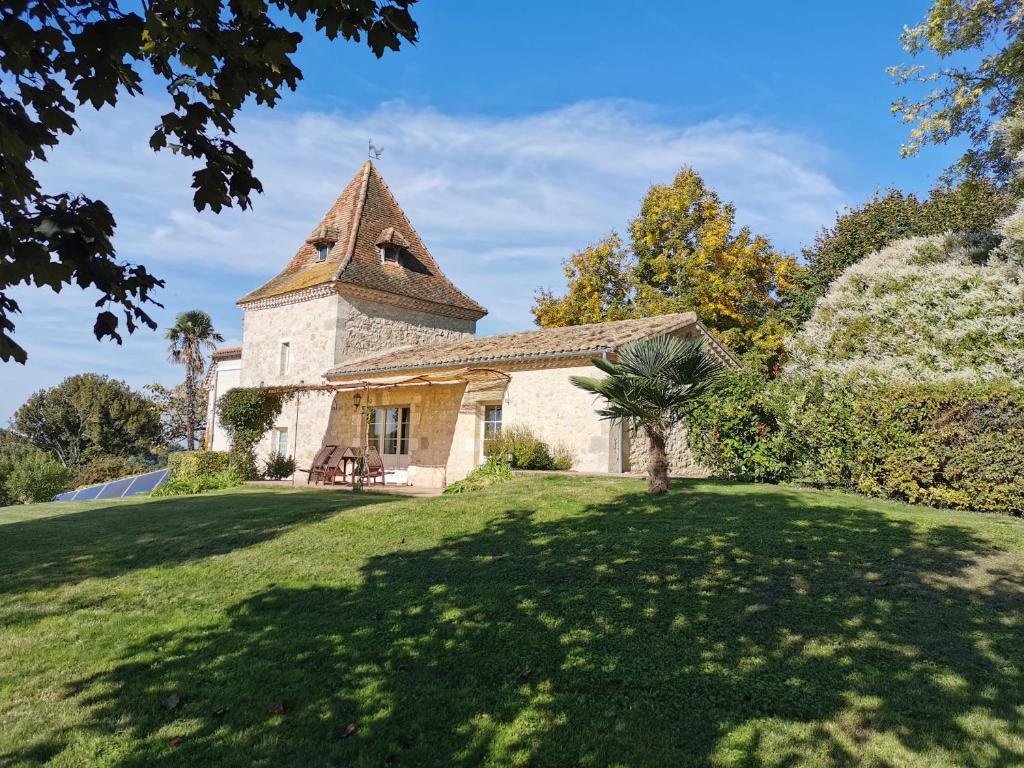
[(949, 445), (943, 444), (189, 464)]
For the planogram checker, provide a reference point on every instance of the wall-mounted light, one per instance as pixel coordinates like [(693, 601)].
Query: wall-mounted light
[(357, 398)]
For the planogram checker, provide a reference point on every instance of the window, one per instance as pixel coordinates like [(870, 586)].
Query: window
[(492, 421), (388, 431), (286, 358), (492, 426), (279, 441), (322, 252), (389, 254)]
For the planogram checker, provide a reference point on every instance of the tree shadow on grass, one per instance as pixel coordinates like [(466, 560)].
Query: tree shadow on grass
[(704, 628), (107, 541)]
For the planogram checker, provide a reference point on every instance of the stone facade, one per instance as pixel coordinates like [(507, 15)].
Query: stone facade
[(225, 375), (544, 400), (309, 328), (366, 326), (321, 331)]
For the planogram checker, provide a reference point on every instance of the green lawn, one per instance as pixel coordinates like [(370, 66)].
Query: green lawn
[(554, 621)]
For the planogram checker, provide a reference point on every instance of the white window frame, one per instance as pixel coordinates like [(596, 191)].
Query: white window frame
[(397, 260), (323, 250), (284, 360), (484, 421), (279, 436)]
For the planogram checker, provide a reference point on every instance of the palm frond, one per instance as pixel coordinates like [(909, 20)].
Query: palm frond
[(653, 380)]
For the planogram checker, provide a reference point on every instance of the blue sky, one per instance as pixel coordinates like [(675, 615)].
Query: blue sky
[(513, 134)]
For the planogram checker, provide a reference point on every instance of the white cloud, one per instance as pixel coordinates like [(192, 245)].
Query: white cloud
[(499, 200)]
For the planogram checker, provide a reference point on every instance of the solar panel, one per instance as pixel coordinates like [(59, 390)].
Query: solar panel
[(85, 494), (115, 489), (148, 482)]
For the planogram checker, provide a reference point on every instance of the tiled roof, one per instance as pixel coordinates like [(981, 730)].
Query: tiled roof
[(364, 213), (516, 347), (226, 352)]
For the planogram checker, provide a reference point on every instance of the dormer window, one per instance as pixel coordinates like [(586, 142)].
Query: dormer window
[(323, 251), (390, 254)]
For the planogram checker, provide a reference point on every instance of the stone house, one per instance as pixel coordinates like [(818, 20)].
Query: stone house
[(363, 313)]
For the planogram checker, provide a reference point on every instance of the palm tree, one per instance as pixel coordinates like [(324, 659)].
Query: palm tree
[(649, 387), (191, 336)]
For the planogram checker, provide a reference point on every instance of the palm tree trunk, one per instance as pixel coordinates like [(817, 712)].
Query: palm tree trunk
[(657, 460), (190, 407)]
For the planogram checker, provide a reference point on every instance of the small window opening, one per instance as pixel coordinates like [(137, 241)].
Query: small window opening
[(286, 358), (322, 252), (389, 254)]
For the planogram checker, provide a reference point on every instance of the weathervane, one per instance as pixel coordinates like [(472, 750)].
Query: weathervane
[(374, 152)]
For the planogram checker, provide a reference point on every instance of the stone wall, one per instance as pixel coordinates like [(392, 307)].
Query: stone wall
[(433, 413), (680, 459), (545, 401), (366, 327), (308, 326), (322, 332)]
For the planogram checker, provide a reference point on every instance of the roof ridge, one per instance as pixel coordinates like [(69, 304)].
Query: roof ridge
[(357, 219)]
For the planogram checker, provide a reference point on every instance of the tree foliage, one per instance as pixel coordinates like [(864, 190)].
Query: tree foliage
[(88, 416), (649, 387), (247, 413), (685, 254), (601, 286), (973, 206), (171, 404), (970, 98), (211, 57), (191, 336)]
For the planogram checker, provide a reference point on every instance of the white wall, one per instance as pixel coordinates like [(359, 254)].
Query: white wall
[(226, 375)]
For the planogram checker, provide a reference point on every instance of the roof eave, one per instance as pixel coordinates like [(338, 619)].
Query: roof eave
[(475, 361)]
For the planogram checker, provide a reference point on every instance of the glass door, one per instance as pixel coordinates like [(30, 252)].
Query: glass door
[(388, 430)]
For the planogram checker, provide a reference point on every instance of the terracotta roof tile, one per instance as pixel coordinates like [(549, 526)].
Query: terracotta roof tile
[(516, 347), (364, 213)]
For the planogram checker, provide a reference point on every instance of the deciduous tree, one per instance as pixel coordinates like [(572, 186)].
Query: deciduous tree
[(172, 405), (969, 98), (211, 56), (686, 254), (86, 416), (600, 286)]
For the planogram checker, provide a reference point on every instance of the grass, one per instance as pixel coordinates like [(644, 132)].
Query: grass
[(550, 621)]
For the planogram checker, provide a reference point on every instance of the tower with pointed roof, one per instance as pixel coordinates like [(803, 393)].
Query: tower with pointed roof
[(362, 282)]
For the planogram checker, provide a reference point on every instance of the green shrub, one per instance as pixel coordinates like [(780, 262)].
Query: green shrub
[(184, 464), (36, 476), (107, 468), (949, 445), (734, 429), (493, 472), (279, 467), (563, 458), (527, 450), (248, 413), (186, 486)]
